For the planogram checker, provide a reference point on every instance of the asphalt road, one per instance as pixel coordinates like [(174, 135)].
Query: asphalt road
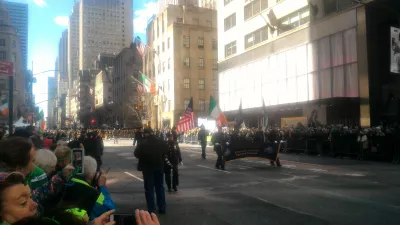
[(306, 190)]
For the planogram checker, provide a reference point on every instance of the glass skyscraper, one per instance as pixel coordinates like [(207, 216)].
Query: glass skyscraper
[(18, 13)]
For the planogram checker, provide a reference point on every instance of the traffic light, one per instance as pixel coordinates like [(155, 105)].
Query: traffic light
[(93, 121)]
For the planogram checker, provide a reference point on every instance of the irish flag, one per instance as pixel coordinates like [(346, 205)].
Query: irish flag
[(216, 113), (4, 107)]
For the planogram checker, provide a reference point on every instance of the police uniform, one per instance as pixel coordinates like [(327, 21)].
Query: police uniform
[(218, 140), (171, 165)]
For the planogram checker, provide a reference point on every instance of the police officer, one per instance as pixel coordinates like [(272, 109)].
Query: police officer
[(171, 165), (203, 140), (151, 154), (218, 140)]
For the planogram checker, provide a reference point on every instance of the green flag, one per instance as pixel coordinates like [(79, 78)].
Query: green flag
[(146, 83)]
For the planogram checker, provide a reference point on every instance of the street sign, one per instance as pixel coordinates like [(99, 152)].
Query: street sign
[(6, 68)]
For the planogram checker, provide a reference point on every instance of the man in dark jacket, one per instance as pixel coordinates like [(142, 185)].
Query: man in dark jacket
[(203, 140), (138, 137), (218, 140), (151, 153)]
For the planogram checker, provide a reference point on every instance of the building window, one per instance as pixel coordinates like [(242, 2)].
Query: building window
[(208, 23), (230, 49), (201, 62), (169, 63), (169, 42), (331, 6), (14, 57), (200, 42), (256, 37), (186, 41), (158, 49), (230, 22), (179, 20), (186, 103), (214, 44), (163, 66), (186, 83), (293, 20), (3, 55), (254, 8), (2, 42), (163, 47), (215, 64), (186, 61), (195, 21), (226, 2), (202, 105), (202, 83)]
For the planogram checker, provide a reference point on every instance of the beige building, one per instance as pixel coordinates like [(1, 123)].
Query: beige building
[(211, 4), (184, 62)]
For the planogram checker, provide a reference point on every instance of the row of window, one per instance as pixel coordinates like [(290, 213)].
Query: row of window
[(286, 23), (3, 56), (200, 42), (186, 62), (202, 104), (201, 84), (3, 43)]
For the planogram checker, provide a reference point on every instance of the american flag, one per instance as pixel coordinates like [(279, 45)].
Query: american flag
[(187, 121), (140, 46)]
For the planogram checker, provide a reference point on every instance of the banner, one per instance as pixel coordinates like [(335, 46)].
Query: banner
[(240, 149), (395, 50)]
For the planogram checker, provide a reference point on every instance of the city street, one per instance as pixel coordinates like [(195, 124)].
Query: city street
[(306, 190)]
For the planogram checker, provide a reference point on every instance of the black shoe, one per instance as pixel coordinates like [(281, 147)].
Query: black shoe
[(175, 189), (169, 190), (162, 211), (203, 157), (217, 167)]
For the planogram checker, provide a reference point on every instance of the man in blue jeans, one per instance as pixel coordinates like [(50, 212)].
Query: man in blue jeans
[(151, 153)]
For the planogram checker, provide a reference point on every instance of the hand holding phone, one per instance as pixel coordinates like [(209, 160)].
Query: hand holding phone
[(144, 218), (77, 159)]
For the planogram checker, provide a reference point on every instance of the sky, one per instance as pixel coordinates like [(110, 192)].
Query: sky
[(47, 20)]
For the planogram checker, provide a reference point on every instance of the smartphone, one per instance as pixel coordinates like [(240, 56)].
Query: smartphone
[(123, 219), (77, 159)]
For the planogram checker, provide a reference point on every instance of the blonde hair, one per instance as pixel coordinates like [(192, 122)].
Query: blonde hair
[(62, 152), (90, 166), (46, 160)]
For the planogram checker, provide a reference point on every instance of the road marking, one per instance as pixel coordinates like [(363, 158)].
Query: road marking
[(355, 175), (210, 168), (131, 158), (198, 152), (288, 208), (125, 154), (137, 178)]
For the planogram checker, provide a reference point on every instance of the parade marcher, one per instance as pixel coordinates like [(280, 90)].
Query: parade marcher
[(94, 147), (115, 136), (272, 138), (175, 137), (203, 140), (218, 140), (171, 165), (151, 154), (138, 137)]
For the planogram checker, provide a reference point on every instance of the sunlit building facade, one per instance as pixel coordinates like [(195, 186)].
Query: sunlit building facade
[(297, 56)]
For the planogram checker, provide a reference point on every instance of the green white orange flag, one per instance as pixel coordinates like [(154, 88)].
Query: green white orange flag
[(4, 107), (146, 83), (216, 113)]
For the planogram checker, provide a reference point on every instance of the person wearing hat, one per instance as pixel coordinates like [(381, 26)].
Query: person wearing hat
[(151, 153)]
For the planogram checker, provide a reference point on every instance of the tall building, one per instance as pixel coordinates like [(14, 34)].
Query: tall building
[(302, 58), (52, 103), (128, 64), (19, 14), (10, 50), (62, 77), (105, 26), (73, 45), (211, 4), (184, 61)]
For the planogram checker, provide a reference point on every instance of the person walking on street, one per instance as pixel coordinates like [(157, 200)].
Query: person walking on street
[(218, 140), (203, 140), (171, 165), (115, 135), (151, 153)]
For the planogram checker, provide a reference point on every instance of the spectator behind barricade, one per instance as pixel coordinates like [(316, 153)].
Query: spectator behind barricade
[(63, 170), (19, 154), (15, 198), (104, 202), (34, 137), (47, 142), (47, 161)]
